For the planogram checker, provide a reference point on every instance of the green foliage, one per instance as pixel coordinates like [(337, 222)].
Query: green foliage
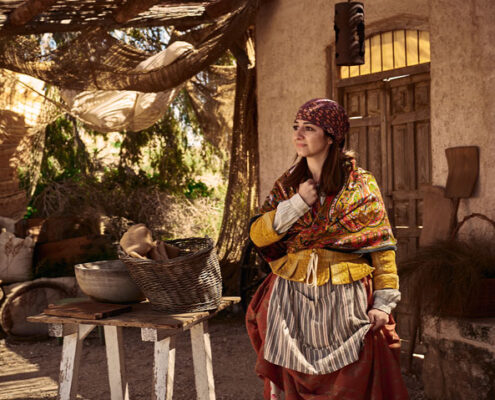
[(30, 212), (154, 176), (195, 189)]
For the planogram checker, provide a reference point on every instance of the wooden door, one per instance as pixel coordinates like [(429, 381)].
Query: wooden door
[(390, 131)]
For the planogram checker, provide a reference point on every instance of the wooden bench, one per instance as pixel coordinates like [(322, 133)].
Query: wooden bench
[(156, 327)]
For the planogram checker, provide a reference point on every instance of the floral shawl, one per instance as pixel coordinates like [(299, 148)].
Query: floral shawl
[(355, 220)]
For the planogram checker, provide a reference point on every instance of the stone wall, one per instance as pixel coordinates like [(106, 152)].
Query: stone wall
[(460, 360)]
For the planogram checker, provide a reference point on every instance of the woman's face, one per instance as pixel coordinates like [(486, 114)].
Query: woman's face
[(310, 140)]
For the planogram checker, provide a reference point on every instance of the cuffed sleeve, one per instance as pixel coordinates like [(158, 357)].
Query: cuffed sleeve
[(288, 212), (386, 299), (262, 232), (385, 274)]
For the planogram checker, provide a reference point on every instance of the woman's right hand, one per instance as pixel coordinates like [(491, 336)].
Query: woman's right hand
[(307, 190)]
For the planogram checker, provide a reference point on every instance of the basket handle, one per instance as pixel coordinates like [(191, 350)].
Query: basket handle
[(467, 218)]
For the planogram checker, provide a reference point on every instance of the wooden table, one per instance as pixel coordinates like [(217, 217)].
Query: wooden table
[(155, 327)]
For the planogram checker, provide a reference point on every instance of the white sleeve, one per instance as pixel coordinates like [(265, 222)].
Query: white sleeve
[(288, 212), (386, 299)]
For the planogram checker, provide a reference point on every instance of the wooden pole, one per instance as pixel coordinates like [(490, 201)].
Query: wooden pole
[(27, 11)]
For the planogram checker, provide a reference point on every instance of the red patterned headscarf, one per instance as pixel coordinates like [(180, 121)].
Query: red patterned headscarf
[(328, 115)]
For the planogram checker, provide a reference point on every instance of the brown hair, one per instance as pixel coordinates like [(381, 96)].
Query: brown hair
[(333, 172)]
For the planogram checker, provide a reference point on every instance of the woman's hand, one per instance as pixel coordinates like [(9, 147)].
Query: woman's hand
[(378, 318), (307, 190)]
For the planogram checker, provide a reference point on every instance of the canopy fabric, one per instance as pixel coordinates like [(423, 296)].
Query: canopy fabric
[(118, 110), (212, 95), (94, 60), (24, 114)]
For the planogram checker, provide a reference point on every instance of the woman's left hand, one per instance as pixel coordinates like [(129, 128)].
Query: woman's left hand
[(378, 318)]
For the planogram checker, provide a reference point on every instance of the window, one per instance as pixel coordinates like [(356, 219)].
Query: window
[(391, 50)]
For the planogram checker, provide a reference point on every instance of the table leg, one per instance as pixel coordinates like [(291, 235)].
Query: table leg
[(119, 388), (163, 364), (203, 367), (71, 354)]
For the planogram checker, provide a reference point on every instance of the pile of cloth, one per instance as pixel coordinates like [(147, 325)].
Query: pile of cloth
[(138, 242)]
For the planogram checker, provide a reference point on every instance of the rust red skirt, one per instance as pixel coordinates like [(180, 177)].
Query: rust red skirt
[(375, 376)]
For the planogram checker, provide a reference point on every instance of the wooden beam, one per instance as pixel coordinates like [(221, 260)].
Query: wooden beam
[(27, 11), (217, 8), (108, 23), (131, 9)]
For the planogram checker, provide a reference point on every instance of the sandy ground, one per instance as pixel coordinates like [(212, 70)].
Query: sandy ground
[(29, 370)]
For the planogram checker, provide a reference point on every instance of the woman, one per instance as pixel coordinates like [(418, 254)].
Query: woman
[(320, 323)]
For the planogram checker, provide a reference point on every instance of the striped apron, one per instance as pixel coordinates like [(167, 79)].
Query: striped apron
[(315, 329)]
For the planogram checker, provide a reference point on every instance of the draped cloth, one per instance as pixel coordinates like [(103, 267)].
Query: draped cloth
[(375, 376), (354, 221)]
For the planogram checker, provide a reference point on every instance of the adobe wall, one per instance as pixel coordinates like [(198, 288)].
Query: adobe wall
[(462, 41)]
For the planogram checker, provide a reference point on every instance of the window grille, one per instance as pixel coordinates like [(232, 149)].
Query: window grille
[(391, 50)]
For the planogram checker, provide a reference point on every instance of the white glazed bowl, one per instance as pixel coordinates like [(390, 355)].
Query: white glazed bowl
[(107, 281)]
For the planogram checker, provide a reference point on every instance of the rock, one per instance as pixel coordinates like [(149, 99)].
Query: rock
[(459, 362)]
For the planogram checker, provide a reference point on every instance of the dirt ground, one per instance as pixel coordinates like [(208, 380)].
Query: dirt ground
[(29, 370)]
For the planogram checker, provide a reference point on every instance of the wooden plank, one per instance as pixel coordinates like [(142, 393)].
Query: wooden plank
[(438, 212), (398, 151), (354, 71), (406, 233), (412, 56), (360, 80), (374, 153), (119, 388), (376, 54), (411, 78), (366, 67), (353, 104), (399, 49), (363, 87), (353, 142), (410, 164), (424, 47), (402, 195), (422, 95), (155, 335), (385, 188), (344, 72), (203, 366), (362, 103), (366, 121), (413, 116), (163, 369), (423, 153), (142, 316), (87, 310), (387, 51), (373, 104), (363, 147), (69, 366)]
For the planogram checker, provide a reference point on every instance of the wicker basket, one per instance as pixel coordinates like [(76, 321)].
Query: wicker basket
[(188, 283)]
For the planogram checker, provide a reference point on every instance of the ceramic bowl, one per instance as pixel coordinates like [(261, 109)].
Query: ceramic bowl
[(108, 282)]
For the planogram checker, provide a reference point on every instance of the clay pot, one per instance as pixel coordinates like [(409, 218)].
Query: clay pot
[(107, 281)]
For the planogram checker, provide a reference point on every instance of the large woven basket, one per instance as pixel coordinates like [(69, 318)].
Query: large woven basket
[(188, 283)]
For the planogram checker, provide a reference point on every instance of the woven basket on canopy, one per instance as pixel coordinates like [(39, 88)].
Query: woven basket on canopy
[(188, 283)]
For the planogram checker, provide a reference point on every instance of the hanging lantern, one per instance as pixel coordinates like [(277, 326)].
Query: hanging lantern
[(349, 33)]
